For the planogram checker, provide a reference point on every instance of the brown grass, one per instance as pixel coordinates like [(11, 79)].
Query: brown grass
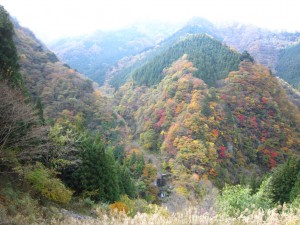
[(188, 217)]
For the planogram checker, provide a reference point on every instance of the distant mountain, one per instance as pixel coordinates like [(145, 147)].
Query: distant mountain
[(114, 56), (261, 43), (94, 54), (194, 26), (264, 45), (125, 68)]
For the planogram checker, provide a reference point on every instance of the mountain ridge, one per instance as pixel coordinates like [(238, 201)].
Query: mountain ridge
[(263, 44), (202, 118)]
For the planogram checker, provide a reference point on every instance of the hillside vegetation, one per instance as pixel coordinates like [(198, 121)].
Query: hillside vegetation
[(93, 55), (200, 134), (264, 45), (60, 139), (212, 60), (59, 91), (288, 66), (245, 127)]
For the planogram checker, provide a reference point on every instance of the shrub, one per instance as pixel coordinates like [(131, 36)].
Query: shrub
[(118, 207), (235, 199), (44, 182)]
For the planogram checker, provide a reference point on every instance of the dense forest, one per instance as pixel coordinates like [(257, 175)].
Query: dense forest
[(58, 133), (230, 136), (212, 60), (288, 65), (196, 131)]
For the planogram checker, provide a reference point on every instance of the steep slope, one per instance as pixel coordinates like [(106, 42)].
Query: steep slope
[(212, 59), (225, 134), (114, 56), (288, 66), (87, 138), (292, 93), (94, 54), (23, 139), (262, 44), (20, 127), (62, 92)]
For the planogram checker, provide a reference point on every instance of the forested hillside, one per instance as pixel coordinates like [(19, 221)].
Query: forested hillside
[(224, 134), (60, 139), (196, 132), (93, 55), (59, 90), (210, 57), (288, 67), (264, 45)]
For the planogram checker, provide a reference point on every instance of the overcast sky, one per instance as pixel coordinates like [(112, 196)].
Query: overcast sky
[(52, 19)]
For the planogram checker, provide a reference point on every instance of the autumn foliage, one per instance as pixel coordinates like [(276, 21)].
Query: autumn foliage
[(213, 132)]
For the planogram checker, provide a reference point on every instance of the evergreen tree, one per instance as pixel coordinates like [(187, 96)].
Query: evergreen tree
[(112, 177), (288, 66), (9, 68), (246, 57), (40, 111), (284, 179), (295, 192), (97, 173), (205, 110), (126, 183)]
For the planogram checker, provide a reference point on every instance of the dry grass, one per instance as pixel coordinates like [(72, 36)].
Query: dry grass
[(188, 217)]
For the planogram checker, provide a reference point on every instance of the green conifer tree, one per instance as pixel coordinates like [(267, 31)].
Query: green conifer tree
[(284, 179), (97, 173)]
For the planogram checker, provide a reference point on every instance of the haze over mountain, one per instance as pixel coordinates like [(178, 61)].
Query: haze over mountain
[(93, 55), (82, 17), (263, 44), (195, 128)]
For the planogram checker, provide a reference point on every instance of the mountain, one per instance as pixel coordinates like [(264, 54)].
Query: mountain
[(182, 101), (245, 126), (194, 26), (61, 91), (94, 54), (195, 117), (210, 57), (57, 132), (264, 45), (288, 66)]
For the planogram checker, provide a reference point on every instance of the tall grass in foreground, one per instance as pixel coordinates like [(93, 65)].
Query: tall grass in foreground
[(188, 217)]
